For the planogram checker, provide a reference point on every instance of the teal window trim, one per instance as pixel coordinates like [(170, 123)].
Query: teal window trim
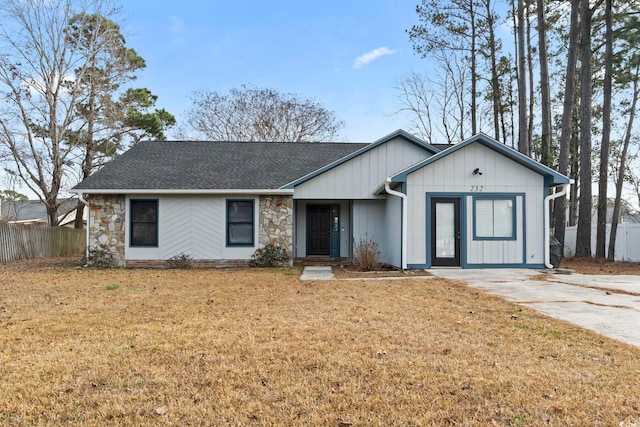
[(230, 222), (132, 224), (494, 197)]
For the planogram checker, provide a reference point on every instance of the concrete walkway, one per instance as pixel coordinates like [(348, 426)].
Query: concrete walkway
[(317, 273), (609, 305)]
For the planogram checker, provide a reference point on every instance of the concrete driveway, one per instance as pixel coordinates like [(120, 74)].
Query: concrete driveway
[(609, 305)]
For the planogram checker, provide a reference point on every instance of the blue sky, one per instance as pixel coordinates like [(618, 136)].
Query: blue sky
[(345, 54)]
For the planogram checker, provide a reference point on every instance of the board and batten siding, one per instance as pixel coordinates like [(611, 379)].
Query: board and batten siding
[(453, 174), (192, 225), (358, 177), (393, 220), (370, 225)]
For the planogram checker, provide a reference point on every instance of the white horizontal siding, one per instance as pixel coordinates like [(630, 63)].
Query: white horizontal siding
[(358, 177), (191, 225)]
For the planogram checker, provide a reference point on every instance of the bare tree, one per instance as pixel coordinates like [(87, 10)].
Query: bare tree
[(452, 25), (437, 105), (40, 79), (416, 98), (260, 114)]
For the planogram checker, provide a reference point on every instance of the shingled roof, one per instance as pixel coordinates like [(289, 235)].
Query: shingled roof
[(199, 165)]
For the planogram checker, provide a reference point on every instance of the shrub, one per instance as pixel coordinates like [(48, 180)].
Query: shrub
[(366, 256), (99, 258), (181, 261), (270, 256)]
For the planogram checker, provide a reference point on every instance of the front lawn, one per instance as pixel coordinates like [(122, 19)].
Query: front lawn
[(258, 347)]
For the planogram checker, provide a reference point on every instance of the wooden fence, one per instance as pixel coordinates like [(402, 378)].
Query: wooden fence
[(29, 241)]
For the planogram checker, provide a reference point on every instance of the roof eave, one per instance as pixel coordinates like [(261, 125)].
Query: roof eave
[(284, 192)]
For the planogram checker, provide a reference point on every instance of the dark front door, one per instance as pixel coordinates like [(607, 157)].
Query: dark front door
[(318, 230), (445, 232)]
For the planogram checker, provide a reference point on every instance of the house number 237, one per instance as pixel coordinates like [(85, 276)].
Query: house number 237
[(477, 188)]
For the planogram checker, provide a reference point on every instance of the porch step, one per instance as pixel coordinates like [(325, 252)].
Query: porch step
[(317, 273), (320, 261)]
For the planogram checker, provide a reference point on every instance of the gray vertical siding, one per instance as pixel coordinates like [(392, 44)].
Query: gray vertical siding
[(453, 174), (370, 224), (358, 177)]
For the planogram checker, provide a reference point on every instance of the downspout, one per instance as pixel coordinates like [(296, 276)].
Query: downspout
[(86, 202), (403, 254), (547, 225)]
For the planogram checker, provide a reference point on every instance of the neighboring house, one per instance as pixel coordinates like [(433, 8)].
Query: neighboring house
[(476, 204), (34, 212), (625, 216)]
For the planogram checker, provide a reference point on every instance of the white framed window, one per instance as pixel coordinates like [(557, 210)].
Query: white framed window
[(494, 218)]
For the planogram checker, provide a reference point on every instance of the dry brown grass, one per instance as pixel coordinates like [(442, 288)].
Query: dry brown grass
[(600, 266), (352, 272), (258, 347)]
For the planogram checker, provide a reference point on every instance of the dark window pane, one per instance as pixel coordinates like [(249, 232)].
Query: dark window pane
[(144, 234), (240, 211), (241, 233), (240, 222), (146, 211), (144, 222)]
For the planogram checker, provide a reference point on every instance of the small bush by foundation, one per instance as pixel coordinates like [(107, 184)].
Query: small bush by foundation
[(181, 261), (270, 256), (366, 256)]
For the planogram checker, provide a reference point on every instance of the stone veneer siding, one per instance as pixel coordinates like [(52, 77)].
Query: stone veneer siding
[(275, 224), (106, 226)]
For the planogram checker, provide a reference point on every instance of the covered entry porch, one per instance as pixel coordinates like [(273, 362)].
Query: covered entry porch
[(326, 231)]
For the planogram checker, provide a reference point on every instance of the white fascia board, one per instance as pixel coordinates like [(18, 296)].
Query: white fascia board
[(189, 191)]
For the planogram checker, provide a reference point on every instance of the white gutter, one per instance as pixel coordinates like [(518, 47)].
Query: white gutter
[(403, 254), (180, 191), (547, 224), (86, 202)]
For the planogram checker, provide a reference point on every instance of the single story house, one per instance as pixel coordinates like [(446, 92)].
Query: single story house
[(476, 204)]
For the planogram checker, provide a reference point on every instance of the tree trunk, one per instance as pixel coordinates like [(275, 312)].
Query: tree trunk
[(474, 74), (574, 173), (532, 86), (560, 205), (546, 156), (620, 181), (89, 144), (601, 231), (523, 139), (583, 239), (495, 82)]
